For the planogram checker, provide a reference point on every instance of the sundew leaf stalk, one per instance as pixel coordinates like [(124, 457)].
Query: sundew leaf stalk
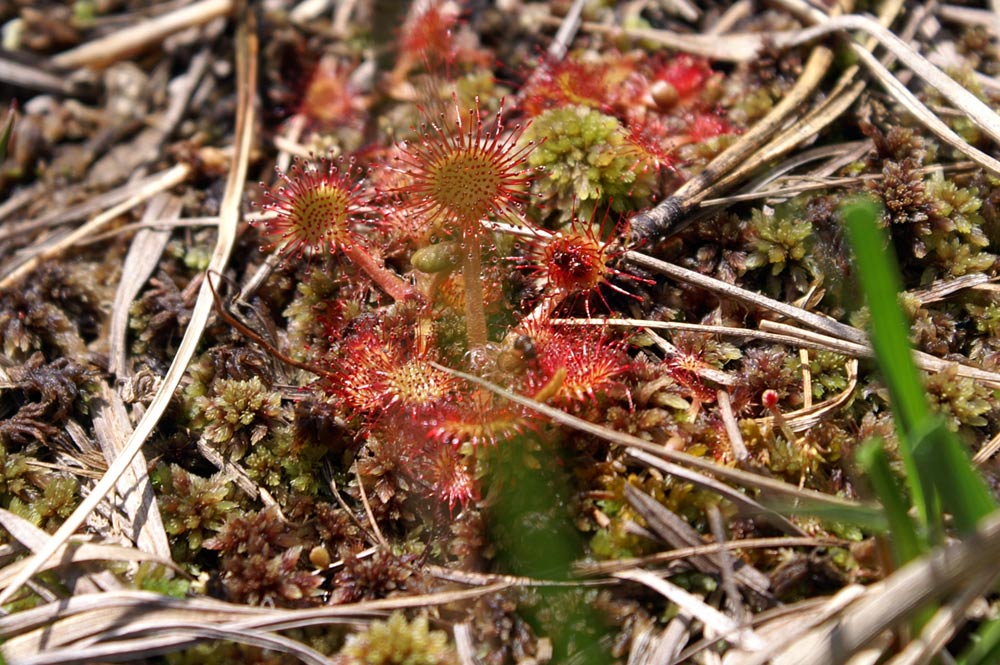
[(315, 210), (460, 174)]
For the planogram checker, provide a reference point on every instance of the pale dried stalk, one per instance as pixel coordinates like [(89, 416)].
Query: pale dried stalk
[(843, 95), (968, 16), (944, 624), (821, 323), (608, 567), (746, 504), (807, 417), (180, 634), (34, 539), (736, 443), (112, 428), (780, 625), (927, 117), (793, 337), (73, 213), (290, 146), (965, 101), (143, 256), (233, 472), (75, 553), (163, 181), (228, 220), (883, 605), (464, 644), (987, 451), (28, 76), (730, 631), (732, 47), (977, 111), (846, 334), (690, 12), (674, 530), (924, 361), (309, 10), (293, 132), (788, 186), (807, 394), (142, 35), (687, 197), (74, 621), (942, 288), (726, 564), (567, 30)]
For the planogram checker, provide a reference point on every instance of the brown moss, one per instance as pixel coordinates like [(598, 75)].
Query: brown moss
[(259, 557), (763, 368), (901, 190), (380, 575), (237, 415), (157, 316), (29, 323), (47, 395)]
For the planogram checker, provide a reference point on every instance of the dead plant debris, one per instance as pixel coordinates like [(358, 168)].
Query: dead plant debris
[(540, 337)]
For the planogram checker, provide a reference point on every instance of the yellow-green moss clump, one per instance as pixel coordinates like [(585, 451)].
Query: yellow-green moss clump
[(779, 237), (238, 414), (192, 506), (48, 509), (587, 160), (398, 642)]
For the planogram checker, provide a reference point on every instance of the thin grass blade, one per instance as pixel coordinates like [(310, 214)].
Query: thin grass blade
[(879, 278), (962, 491), (985, 647), (906, 544)]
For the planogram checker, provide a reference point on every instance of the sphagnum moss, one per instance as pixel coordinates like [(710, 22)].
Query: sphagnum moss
[(193, 508), (398, 641), (238, 414), (588, 162)]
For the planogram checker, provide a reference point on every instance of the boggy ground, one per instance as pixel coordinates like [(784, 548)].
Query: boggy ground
[(526, 352)]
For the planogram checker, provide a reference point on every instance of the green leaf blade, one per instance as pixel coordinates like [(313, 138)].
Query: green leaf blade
[(906, 544), (880, 281), (942, 459)]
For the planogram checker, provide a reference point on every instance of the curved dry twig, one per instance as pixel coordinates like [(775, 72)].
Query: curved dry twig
[(806, 418)]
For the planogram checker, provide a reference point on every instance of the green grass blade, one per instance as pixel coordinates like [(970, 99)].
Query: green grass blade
[(962, 491), (985, 647), (869, 518), (881, 284), (890, 331), (906, 544)]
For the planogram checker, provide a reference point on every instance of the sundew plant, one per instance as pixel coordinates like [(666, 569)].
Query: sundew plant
[(543, 340)]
